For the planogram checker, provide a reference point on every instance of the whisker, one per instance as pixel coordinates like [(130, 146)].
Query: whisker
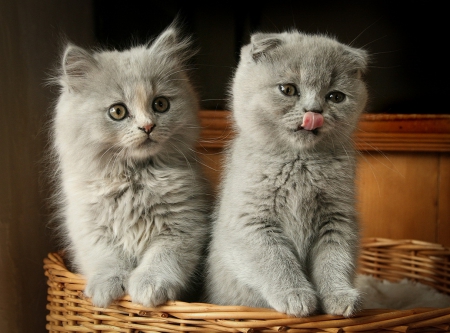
[(375, 40), (107, 150), (186, 159), (364, 30), (195, 152), (364, 153)]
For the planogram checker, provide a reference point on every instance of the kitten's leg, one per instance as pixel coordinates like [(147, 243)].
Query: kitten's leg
[(333, 268), (262, 260), (165, 271), (106, 273)]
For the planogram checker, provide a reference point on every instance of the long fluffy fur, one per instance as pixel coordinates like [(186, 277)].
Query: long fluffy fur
[(285, 233), (133, 207)]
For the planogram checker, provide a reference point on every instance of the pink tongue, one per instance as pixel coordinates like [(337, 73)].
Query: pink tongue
[(312, 120)]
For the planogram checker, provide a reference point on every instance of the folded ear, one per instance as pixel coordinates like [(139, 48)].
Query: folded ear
[(262, 44), (77, 63), (359, 58)]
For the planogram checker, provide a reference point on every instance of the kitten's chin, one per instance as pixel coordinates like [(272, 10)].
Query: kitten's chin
[(145, 150), (305, 139), (301, 129)]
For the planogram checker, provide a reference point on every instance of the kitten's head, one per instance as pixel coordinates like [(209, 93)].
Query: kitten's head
[(298, 90), (129, 105)]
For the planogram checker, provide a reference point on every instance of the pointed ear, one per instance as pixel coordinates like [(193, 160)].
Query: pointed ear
[(262, 44), (166, 39), (172, 42), (77, 63)]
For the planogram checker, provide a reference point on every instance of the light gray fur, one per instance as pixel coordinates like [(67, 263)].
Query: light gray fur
[(134, 212), (285, 233)]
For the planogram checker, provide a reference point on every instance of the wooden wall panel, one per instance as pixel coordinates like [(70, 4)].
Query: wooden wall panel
[(397, 195), (29, 47), (443, 228)]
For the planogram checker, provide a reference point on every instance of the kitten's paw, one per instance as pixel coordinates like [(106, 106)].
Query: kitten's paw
[(342, 302), (150, 289), (299, 302), (105, 288)]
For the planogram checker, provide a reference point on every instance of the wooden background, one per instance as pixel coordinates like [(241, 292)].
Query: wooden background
[(29, 49), (403, 175)]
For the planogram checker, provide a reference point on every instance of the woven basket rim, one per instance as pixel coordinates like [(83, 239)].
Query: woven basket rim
[(177, 316)]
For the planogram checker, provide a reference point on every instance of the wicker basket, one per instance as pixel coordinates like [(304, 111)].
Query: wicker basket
[(428, 263)]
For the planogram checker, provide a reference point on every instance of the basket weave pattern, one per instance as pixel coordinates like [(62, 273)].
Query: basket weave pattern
[(427, 263)]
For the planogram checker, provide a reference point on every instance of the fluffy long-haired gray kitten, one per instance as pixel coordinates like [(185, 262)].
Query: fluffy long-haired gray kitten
[(133, 201), (285, 233)]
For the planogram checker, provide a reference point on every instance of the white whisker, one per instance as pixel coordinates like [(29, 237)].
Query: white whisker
[(195, 152)]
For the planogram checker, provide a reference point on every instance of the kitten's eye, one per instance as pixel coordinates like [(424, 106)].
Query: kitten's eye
[(335, 97), (288, 89), (118, 112), (161, 104)]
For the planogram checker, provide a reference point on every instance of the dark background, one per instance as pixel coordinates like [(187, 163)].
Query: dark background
[(406, 41)]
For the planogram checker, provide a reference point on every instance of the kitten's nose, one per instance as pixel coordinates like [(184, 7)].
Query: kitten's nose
[(147, 128)]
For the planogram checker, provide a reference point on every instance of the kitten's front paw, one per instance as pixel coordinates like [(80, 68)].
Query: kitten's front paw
[(342, 302), (105, 288), (299, 302), (149, 289)]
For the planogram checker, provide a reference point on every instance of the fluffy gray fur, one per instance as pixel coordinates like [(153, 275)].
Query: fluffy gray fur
[(132, 199), (285, 233)]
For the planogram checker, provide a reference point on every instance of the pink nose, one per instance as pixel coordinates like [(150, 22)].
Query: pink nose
[(147, 128)]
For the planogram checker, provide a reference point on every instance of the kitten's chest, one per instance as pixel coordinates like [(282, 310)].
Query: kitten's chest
[(131, 211), (294, 185), (301, 189), (138, 190), (298, 189)]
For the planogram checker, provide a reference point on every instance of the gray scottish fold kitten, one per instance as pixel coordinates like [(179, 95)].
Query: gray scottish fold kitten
[(133, 201), (285, 233)]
